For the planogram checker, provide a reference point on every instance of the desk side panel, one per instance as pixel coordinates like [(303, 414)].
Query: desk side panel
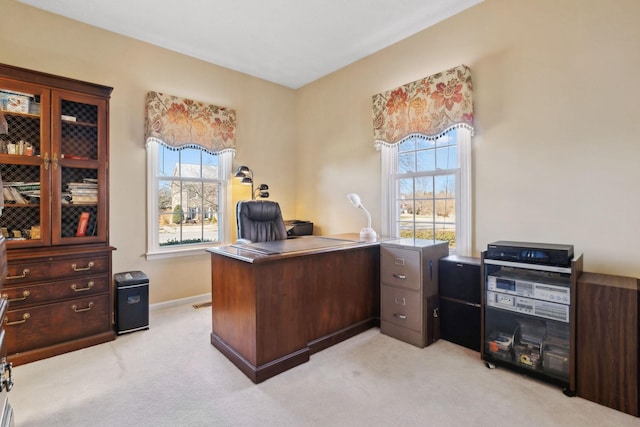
[(233, 297), (342, 291), (280, 329)]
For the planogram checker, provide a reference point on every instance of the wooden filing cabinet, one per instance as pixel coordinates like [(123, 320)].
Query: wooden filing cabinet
[(608, 310), (460, 287), (409, 289)]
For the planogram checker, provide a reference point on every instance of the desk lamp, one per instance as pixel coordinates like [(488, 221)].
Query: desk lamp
[(367, 233), (247, 179)]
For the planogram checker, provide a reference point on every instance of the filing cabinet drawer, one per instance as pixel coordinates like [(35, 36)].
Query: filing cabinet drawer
[(401, 307), (21, 296), (400, 267), (49, 324)]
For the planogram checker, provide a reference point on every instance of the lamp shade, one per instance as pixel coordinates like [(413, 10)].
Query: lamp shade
[(354, 199), (367, 233)]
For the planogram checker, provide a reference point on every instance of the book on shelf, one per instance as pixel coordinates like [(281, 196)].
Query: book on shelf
[(83, 223), (83, 191), (79, 185), (84, 199)]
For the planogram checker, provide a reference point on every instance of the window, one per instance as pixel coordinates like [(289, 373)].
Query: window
[(190, 146), (426, 182), (187, 199), (429, 188), (423, 130)]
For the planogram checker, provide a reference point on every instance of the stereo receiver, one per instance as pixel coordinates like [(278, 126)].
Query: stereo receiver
[(532, 253)]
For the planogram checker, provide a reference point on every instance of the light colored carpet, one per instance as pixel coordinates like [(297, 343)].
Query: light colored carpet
[(170, 375)]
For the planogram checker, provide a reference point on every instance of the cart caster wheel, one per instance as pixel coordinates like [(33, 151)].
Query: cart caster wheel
[(489, 365), (568, 392)]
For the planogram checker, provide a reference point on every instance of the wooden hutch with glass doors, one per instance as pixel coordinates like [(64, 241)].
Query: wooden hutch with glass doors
[(54, 165)]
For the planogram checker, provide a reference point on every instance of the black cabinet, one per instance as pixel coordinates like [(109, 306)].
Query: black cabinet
[(460, 287)]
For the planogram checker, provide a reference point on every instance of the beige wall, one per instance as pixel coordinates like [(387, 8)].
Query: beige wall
[(556, 152), (554, 157), (42, 41)]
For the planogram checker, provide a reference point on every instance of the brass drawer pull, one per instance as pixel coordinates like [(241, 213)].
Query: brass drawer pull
[(24, 296), (400, 316), (88, 267), (77, 289), (17, 322), (399, 276), (24, 274), (80, 310)]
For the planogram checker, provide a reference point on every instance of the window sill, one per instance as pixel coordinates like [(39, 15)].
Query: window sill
[(177, 252)]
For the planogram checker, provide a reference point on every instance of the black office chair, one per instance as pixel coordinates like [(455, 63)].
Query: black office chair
[(259, 221)]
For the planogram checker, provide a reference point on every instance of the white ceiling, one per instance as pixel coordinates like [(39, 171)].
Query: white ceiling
[(289, 42)]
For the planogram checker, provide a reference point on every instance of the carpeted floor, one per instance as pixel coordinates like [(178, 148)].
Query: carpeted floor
[(170, 375)]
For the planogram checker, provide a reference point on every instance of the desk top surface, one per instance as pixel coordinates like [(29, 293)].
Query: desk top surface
[(304, 245)]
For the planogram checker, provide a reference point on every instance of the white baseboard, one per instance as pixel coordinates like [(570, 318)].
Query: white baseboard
[(189, 300)]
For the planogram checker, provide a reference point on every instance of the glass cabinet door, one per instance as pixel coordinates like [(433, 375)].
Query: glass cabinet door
[(24, 164), (79, 174)]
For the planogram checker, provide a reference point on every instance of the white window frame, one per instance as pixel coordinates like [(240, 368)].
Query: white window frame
[(464, 208), (154, 250)]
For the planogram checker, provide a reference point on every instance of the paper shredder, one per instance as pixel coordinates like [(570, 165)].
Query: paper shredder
[(132, 302)]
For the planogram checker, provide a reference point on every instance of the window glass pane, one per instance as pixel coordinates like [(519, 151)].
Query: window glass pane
[(426, 160), (445, 206), (446, 157), (210, 165), (408, 145), (168, 161), (445, 186), (407, 162), (405, 188), (423, 144), (190, 163), (424, 187), (406, 229)]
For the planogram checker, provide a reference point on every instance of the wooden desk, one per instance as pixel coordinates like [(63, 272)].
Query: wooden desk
[(270, 312)]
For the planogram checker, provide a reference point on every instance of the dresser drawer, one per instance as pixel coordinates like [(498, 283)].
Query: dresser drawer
[(80, 266), (22, 296), (401, 307), (24, 272), (400, 267), (35, 327)]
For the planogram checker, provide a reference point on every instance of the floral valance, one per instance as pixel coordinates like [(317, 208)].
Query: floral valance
[(179, 123), (429, 107)]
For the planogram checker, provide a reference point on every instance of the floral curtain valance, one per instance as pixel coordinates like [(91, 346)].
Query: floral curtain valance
[(429, 106), (179, 123)]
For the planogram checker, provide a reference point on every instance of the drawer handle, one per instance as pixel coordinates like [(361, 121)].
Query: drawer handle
[(24, 296), (399, 276), (80, 310), (17, 322), (24, 274), (77, 289), (88, 267), (400, 316)]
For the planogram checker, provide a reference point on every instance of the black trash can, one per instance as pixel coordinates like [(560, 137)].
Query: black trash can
[(132, 301)]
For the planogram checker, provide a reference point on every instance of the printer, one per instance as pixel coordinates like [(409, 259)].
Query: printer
[(296, 227)]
